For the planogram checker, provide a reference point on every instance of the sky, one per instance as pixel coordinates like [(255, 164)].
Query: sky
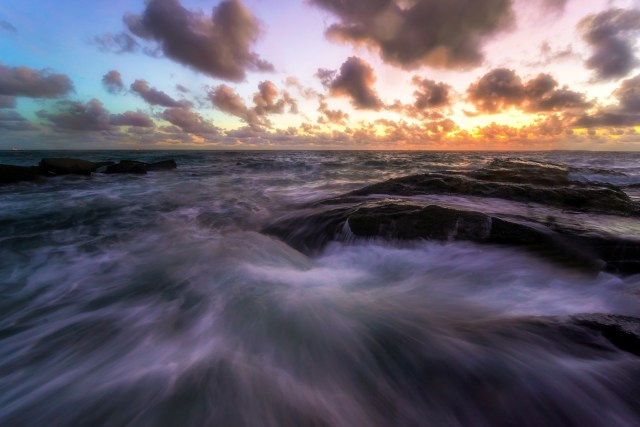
[(320, 74)]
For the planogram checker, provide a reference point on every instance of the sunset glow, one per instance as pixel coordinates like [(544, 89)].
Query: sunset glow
[(320, 74)]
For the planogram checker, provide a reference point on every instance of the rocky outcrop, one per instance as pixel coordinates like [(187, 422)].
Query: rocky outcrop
[(383, 211), (49, 167), (402, 221), (128, 166), (67, 166), (577, 196), (10, 174)]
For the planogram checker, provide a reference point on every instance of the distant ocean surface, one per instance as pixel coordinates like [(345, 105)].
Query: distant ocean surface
[(157, 300)]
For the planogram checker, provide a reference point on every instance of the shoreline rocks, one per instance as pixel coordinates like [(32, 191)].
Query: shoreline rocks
[(49, 167)]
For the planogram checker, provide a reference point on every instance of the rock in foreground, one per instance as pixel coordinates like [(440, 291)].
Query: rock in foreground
[(383, 211)]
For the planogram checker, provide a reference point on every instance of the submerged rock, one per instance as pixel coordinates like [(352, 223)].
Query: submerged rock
[(10, 174), (67, 166)]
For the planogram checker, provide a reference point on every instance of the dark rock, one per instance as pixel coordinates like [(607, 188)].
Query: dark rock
[(403, 221), (164, 165), (585, 197), (66, 166), (523, 172), (10, 174), (622, 331), (128, 166)]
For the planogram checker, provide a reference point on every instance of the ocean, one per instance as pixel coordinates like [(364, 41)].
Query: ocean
[(160, 300)]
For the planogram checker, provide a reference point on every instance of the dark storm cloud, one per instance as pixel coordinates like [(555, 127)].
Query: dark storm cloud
[(13, 121), (611, 35), (132, 118), (76, 116), (354, 80), (190, 122), (218, 45), (447, 34), (430, 94), (112, 81), (7, 27), (154, 96), (625, 113), (502, 88), (24, 81), (7, 101)]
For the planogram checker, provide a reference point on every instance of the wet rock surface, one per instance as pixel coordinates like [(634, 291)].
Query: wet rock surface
[(396, 210)]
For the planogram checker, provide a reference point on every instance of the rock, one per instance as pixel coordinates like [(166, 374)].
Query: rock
[(164, 165), (310, 231), (10, 174), (576, 196), (523, 172), (128, 166), (66, 166), (622, 331)]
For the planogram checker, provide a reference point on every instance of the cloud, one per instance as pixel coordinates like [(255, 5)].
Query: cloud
[(355, 81), (8, 27), (266, 101), (24, 81), (116, 43), (430, 94), (338, 117), (628, 94), (226, 99), (112, 81), (218, 45), (625, 113), (76, 116), (190, 122), (13, 121), (7, 101), (132, 118), (445, 34), (154, 96), (305, 92), (501, 89), (610, 35)]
